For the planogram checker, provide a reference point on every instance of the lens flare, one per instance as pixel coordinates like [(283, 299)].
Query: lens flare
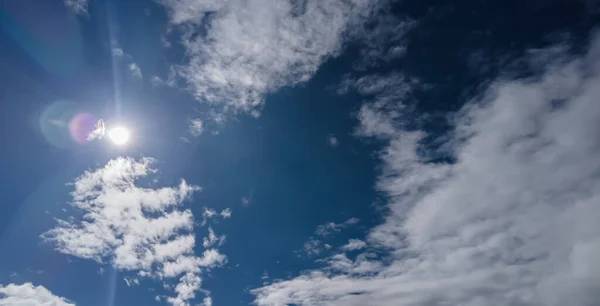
[(81, 126)]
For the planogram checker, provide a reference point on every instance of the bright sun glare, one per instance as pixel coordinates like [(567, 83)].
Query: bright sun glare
[(119, 135)]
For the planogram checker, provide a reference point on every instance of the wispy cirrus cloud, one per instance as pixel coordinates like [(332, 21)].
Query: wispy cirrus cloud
[(330, 228), (29, 295), (238, 51), (315, 245), (513, 221), (133, 228)]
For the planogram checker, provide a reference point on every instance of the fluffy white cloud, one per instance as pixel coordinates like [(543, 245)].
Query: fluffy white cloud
[(186, 289), (354, 244), (29, 295), (133, 228), (226, 213), (79, 7), (249, 48), (513, 221)]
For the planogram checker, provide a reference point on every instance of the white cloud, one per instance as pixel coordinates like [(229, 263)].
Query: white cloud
[(98, 132), (79, 7), (254, 47), (382, 39), (329, 228), (213, 239), (226, 213), (314, 246), (514, 221), (211, 213), (186, 290), (118, 52), (353, 245), (136, 72), (196, 127), (29, 295), (132, 228)]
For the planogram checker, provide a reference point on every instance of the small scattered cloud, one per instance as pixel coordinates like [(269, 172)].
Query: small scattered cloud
[(118, 52), (98, 132), (353, 245), (30, 295), (207, 301), (333, 141), (245, 201), (212, 239), (196, 127), (156, 81), (315, 245), (226, 213), (330, 228), (211, 213), (131, 281), (79, 7), (135, 70)]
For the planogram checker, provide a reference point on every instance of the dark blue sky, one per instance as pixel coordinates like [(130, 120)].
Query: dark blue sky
[(323, 141)]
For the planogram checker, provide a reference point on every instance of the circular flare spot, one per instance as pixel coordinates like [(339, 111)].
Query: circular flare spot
[(81, 126)]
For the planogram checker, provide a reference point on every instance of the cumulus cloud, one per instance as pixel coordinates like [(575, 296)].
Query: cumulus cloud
[(241, 50), (79, 7), (512, 221), (29, 295), (133, 228)]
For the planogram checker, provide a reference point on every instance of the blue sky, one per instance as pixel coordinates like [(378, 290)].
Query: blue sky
[(299, 152)]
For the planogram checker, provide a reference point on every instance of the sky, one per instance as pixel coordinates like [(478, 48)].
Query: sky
[(299, 152)]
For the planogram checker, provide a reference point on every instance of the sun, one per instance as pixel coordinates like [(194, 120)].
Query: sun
[(119, 135)]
